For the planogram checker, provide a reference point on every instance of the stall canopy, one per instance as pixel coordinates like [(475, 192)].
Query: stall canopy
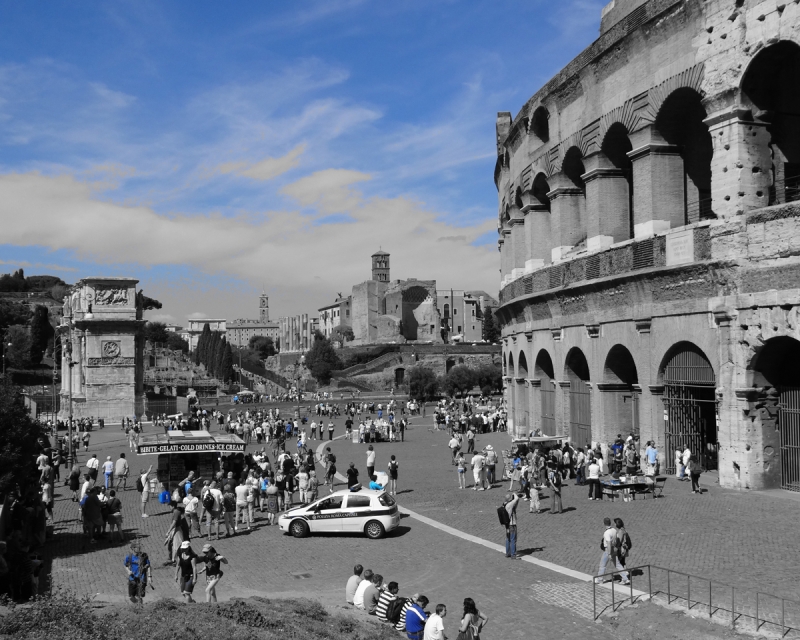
[(189, 442)]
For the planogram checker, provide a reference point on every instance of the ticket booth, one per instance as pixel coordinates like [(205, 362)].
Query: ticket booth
[(180, 452)]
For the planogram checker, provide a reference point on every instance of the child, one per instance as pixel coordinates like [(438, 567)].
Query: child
[(516, 477), (302, 484)]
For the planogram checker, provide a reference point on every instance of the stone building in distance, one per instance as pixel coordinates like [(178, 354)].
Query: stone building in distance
[(239, 332), (650, 238)]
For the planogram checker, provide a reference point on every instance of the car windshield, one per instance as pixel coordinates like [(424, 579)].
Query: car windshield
[(386, 500)]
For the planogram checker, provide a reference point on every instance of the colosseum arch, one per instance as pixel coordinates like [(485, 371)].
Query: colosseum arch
[(680, 123), (690, 402), (538, 231), (543, 371), (775, 374), (621, 392), (615, 215), (771, 89), (576, 370), (540, 124)]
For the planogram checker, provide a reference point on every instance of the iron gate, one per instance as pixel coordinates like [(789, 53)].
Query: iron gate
[(691, 408), (548, 407), (580, 412), (789, 425)]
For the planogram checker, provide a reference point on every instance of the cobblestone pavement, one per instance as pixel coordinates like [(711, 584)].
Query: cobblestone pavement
[(746, 540), (716, 534)]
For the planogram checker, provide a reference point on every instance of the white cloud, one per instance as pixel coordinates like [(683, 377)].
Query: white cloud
[(303, 263), (265, 169)]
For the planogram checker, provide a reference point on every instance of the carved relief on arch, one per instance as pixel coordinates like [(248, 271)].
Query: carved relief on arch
[(628, 114), (691, 78)]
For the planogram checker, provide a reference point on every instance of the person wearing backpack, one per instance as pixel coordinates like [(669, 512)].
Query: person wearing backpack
[(393, 466), (608, 544), (472, 621), (623, 543), (509, 506)]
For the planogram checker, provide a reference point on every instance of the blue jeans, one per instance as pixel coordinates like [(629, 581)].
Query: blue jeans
[(604, 562), (511, 541), (108, 479)]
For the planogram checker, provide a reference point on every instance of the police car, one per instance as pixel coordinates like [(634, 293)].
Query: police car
[(369, 511)]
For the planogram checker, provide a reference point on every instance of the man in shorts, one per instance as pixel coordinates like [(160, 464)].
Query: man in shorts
[(137, 565), (186, 570), (144, 476)]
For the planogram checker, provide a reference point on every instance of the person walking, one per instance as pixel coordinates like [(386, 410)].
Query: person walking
[(186, 570), (393, 467), (609, 546), (108, 472), (554, 482), (121, 471), (623, 542), (510, 504), (144, 482), (694, 469), (212, 559), (461, 467), (478, 471), (593, 478), (491, 463), (472, 621)]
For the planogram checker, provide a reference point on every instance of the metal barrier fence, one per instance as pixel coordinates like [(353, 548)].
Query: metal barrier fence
[(742, 606)]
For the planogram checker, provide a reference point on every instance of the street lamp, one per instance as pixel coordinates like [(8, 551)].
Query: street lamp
[(4, 356)]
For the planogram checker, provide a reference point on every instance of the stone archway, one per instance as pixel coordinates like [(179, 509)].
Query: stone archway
[(621, 393), (543, 371), (576, 370), (775, 373)]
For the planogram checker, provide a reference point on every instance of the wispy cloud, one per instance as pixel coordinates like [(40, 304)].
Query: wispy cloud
[(265, 169)]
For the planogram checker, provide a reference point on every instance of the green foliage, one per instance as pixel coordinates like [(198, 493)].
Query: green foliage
[(18, 434), (264, 346), (423, 384), (44, 283), (156, 333), (321, 359), (14, 282), (342, 333), (491, 330), (226, 367), (489, 377), (19, 353), (459, 380), (65, 617), (176, 343), (41, 333), (202, 345), (13, 313)]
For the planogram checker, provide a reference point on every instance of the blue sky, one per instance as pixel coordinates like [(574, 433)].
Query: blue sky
[(214, 150)]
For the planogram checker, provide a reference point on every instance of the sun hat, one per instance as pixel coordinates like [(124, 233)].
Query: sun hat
[(185, 544)]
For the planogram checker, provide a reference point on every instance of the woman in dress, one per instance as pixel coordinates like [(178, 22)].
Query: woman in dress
[(472, 621), (213, 572), (75, 482)]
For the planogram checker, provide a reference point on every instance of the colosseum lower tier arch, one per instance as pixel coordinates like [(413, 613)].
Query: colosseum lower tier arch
[(649, 236)]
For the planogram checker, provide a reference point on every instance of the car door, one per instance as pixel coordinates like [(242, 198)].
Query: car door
[(326, 515), (356, 512)]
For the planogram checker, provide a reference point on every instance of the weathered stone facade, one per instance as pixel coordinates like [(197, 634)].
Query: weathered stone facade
[(102, 365), (650, 250)]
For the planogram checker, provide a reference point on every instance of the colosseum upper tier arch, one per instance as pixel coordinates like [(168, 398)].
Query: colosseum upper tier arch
[(649, 223)]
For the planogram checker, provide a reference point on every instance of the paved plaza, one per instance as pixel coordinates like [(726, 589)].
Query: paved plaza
[(745, 540)]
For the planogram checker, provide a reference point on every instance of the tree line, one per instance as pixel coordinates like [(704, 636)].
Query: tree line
[(215, 353)]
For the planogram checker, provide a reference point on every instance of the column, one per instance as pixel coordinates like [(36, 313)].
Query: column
[(567, 215), (507, 253), (607, 203), (517, 224), (659, 197), (741, 166), (537, 232)]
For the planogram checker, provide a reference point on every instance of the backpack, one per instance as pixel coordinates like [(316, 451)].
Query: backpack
[(139, 485), (502, 515), (623, 546), (208, 501), (394, 609), (555, 478)]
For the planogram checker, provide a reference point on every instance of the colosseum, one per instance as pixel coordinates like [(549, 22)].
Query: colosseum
[(650, 239)]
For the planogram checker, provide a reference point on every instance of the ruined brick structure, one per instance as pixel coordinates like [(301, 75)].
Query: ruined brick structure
[(649, 242)]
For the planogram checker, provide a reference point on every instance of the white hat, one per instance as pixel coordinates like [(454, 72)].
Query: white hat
[(185, 544), (488, 446)]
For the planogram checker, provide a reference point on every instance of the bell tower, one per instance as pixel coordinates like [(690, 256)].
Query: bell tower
[(263, 308), (380, 266)]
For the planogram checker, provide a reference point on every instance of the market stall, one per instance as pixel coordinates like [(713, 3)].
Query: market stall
[(180, 452)]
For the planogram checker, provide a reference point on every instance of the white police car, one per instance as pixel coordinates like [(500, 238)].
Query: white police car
[(369, 511)]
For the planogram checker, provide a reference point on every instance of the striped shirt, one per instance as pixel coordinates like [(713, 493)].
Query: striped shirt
[(401, 624), (383, 604)]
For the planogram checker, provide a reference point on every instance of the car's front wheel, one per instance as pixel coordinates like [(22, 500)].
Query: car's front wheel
[(298, 528), (374, 530)]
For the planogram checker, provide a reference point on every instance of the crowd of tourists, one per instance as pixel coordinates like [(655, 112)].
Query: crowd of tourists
[(368, 592)]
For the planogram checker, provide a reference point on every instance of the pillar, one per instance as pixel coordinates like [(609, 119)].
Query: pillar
[(741, 166), (537, 232), (607, 203), (517, 223), (506, 253), (567, 215), (659, 198)]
